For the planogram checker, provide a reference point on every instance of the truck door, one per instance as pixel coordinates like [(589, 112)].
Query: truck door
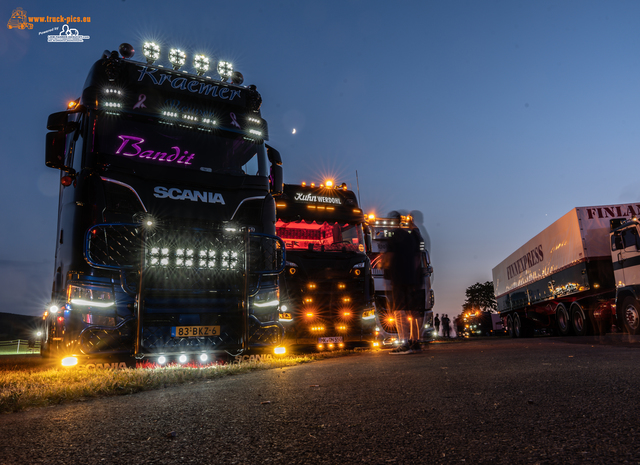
[(625, 250)]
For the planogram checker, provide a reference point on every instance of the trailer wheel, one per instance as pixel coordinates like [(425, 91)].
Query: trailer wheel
[(630, 316), (562, 320), (510, 326), (517, 326), (579, 322)]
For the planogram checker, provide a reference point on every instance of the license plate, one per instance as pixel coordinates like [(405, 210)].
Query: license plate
[(330, 340), (194, 331)]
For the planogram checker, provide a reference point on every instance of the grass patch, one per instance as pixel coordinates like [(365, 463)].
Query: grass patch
[(23, 389)]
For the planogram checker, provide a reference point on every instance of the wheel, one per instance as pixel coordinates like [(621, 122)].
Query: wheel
[(579, 322), (510, 326), (562, 320), (630, 316), (517, 326)]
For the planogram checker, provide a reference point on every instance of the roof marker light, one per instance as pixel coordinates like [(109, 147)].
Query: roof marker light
[(151, 52), (177, 58), (237, 78)]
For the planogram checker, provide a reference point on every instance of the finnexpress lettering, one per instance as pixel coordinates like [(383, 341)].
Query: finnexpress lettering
[(526, 262)]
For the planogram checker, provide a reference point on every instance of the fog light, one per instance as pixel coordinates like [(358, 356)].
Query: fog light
[(162, 360), (183, 358), (69, 361), (203, 357), (279, 350)]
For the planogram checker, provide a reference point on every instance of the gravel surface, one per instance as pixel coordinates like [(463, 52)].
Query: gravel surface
[(507, 401)]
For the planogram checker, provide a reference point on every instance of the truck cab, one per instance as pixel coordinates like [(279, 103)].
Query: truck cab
[(625, 256), (327, 287), (165, 248)]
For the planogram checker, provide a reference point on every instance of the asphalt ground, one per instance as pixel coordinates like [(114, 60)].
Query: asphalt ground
[(540, 400)]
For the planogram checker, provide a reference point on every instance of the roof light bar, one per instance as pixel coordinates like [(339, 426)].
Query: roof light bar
[(225, 70), (177, 58), (201, 64), (151, 52)]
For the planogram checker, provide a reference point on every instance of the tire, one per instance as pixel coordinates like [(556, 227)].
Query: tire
[(563, 322), (629, 315), (517, 326), (579, 321), (510, 326)]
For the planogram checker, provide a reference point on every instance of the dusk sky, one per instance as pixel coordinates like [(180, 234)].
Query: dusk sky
[(492, 118)]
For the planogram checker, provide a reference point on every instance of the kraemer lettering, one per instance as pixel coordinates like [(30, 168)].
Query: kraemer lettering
[(187, 84)]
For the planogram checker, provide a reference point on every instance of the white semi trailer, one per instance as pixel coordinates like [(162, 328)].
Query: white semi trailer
[(578, 276)]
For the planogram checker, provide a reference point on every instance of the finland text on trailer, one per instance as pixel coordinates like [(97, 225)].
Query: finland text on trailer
[(166, 246), (578, 276), (327, 289), (423, 299)]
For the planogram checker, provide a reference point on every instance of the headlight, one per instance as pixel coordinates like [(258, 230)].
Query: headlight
[(90, 295)]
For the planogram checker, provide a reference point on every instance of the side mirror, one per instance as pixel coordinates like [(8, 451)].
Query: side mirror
[(278, 181), (276, 170), (55, 150), (60, 121)]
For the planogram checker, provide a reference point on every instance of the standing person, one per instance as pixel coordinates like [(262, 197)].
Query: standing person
[(445, 325), (403, 272), (436, 323)]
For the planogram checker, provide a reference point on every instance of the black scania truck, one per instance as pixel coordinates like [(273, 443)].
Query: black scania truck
[(166, 249), (327, 288)]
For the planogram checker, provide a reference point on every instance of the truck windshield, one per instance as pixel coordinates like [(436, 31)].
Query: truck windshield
[(321, 237), (152, 144)]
